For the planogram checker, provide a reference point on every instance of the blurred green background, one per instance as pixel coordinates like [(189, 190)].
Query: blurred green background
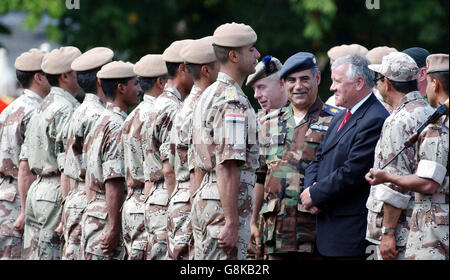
[(134, 28)]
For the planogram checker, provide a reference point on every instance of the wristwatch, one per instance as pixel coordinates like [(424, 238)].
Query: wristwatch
[(387, 230)]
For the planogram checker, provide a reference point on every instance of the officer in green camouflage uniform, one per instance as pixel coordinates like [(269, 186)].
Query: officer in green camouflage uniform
[(390, 206), (201, 63), (152, 72), (226, 149), (44, 141), (158, 173), (82, 122), (428, 235), (288, 141), (105, 173), (13, 123)]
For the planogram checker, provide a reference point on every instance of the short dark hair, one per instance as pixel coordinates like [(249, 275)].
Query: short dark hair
[(53, 80), (88, 80), (147, 83), (196, 69), (441, 77), (405, 87), (109, 86), (222, 52), (172, 68), (25, 78)]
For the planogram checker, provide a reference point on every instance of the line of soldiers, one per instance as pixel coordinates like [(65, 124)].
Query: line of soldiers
[(192, 172)]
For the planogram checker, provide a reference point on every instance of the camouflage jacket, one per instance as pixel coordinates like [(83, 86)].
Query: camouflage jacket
[(133, 140), (81, 123), (286, 150), (408, 115), (156, 130), (181, 136), (13, 123), (103, 148), (45, 137), (225, 127)]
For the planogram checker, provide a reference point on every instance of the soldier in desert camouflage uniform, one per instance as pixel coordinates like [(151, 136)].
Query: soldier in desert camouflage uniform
[(226, 149), (428, 235), (44, 138), (288, 141), (13, 123), (105, 175), (159, 175), (397, 84), (83, 119), (152, 73), (201, 63)]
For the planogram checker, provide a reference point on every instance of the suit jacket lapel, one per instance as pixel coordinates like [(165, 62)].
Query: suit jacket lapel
[(335, 136)]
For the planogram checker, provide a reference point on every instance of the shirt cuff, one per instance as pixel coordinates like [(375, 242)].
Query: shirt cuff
[(431, 170), (113, 169), (392, 197)]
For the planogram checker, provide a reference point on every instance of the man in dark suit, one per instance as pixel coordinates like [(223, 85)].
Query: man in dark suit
[(336, 178)]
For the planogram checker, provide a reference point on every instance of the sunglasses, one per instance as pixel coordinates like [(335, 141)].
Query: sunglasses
[(379, 78)]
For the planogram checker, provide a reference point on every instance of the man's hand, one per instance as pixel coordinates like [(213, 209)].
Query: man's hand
[(314, 210), (377, 176), (110, 241), (19, 224), (387, 247), (256, 237), (59, 229), (228, 237), (306, 199)]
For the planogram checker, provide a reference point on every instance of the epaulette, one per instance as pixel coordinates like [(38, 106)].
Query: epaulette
[(270, 115), (231, 94), (332, 110)]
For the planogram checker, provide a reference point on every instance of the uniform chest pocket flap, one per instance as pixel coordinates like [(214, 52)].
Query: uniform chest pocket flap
[(273, 142), (98, 214), (136, 208), (7, 192), (181, 197), (374, 205), (51, 196), (159, 198), (269, 206), (210, 191)]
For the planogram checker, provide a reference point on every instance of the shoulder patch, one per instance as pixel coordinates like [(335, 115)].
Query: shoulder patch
[(332, 110), (231, 94)]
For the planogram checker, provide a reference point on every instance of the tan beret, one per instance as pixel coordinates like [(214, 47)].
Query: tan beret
[(92, 59), (265, 68), (172, 53), (375, 55), (234, 35), (30, 60), (150, 65), (343, 50), (437, 63), (116, 70), (199, 51), (58, 61)]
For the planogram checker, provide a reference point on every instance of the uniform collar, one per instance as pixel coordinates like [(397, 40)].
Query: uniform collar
[(222, 77), (31, 94), (315, 107), (173, 91), (61, 92), (413, 95), (116, 109), (148, 98)]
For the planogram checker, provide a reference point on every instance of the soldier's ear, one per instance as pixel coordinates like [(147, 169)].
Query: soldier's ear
[(233, 55)]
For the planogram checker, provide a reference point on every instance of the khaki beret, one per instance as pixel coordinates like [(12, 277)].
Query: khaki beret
[(343, 50), (375, 55), (437, 63), (116, 70), (265, 68), (92, 59), (150, 65), (397, 66), (30, 60), (234, 35), (172, 53), (199, 51), (58, 61)]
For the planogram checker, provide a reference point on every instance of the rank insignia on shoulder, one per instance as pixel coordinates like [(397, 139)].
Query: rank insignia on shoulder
[(231, 94), (332, 110), (320, 127)]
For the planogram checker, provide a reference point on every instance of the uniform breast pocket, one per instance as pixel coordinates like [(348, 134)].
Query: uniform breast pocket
[(181, 197), (273, 145), (210, 191), (7, 191), (313, 138), (159, 198)]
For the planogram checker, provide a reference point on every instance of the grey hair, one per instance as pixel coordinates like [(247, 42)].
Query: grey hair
[(358, 67)]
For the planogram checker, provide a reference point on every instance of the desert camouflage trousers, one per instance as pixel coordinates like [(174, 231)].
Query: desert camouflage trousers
[(42, 216), (133, 226), (208, 219), (10, 239), (156, 221), (94, 225), (179, 228), (428, 236), (73, 207)]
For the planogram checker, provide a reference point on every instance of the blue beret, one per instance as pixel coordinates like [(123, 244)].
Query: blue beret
[(298, 62)]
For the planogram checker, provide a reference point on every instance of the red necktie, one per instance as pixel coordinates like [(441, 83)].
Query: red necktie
[(345, 119)]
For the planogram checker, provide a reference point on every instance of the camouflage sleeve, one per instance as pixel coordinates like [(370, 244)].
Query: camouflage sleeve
[(261, 172), (163, 130), (231, 133), (61, 133), (112, 155)]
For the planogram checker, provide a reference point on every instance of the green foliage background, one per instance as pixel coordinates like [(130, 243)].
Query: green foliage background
[(134, 28)]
